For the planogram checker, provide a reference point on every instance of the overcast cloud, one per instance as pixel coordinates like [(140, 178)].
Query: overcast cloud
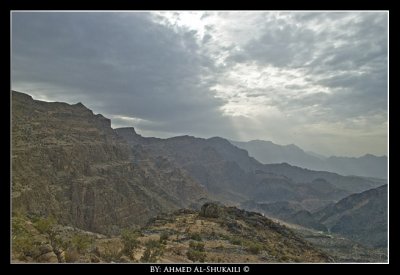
[(316, 79)]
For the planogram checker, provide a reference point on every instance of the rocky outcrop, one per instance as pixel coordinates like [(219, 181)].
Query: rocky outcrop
[(210, 210), (234, 235)]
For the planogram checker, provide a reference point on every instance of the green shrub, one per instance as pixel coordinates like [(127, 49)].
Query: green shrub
[(81, 242), (164, 237), (254, 248), (196, 256), (130, 240), (23, 245), (196, 246), (236, 241), (111, 252), (196, 252), (45, 225), (154, 250), (22, 239), (195, 236), (71, 256)]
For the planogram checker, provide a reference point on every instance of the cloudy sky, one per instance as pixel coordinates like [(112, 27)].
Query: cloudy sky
[(315, 79)]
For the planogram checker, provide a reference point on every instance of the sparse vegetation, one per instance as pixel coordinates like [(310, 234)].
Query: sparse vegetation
[(148, 247), (71, 256), (254, 248), (236, 240), (196, 256), (196, 252), (164, 237), (81, 242), (196, 246), (47, 226), (154, 250), (130, 241), (77, 245), (111, 252), (195, 236), (22, 239)]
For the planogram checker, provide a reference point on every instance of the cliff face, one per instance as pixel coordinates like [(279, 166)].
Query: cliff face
[(69, 163)]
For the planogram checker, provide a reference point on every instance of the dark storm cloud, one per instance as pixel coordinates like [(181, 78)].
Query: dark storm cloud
[(122, 63)]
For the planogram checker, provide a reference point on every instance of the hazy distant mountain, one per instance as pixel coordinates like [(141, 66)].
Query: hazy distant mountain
[(367, 166), (361, 217), (311, 153), (268, 152)]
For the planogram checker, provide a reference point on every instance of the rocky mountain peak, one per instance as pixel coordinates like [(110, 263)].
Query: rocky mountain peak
[(128, 130), (21, 96), (80, 105)]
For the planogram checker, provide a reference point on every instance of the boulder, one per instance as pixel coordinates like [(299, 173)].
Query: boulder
[(210, 210), (49, 257)]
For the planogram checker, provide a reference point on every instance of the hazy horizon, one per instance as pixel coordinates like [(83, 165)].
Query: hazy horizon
[(314, 79)]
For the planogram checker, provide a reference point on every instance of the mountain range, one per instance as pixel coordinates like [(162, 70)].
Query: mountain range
[(233, 176), (70, 166), (268, 152)]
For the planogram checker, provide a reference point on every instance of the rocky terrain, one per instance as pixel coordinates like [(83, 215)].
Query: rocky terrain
[(213, 234)]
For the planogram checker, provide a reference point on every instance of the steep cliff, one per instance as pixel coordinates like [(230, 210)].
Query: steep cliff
[(69, 163)]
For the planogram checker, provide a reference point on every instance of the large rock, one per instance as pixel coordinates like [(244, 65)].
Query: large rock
[(46, 248), (49, 257), (210, 210)]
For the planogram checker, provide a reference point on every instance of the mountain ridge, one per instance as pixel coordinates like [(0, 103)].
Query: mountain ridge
[(268, 152), (69, 163), (229, 171), (360, 216)]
